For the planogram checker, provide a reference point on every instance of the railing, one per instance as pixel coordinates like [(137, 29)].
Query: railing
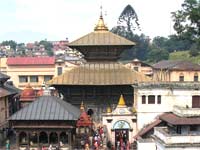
[(186, 111), (168, 138)]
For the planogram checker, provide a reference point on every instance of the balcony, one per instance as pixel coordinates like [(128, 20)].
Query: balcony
[(163, 134), (186, 111)]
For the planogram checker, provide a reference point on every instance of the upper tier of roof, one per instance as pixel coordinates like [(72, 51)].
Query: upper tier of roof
[(101, 37), (31, 61), (109, 73)]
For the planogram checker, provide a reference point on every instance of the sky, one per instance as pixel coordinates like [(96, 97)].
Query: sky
[(35, 20)]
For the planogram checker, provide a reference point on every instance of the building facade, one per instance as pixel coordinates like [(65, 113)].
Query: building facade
[(34, 70), (173, 71)]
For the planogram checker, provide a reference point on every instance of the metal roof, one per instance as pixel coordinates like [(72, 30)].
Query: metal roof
[(47, 108), (101, 38), (6, 90), (4, 77), (109, 73), (177, 65)]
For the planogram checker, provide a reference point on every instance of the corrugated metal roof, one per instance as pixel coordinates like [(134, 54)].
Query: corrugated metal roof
[(101, 38), (31, 61), (177, 65), (99, 74), (47, 108)]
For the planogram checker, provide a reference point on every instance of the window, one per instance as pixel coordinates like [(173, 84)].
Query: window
[(151, 99), (181, 77), (47, 78), (33, 78), (135, 68), (23, 79), (159, 99), (196, 78), (143, 99), (193, 128), (59, 70)]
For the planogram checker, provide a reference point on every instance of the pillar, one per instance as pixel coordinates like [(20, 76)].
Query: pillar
[(17, 139)]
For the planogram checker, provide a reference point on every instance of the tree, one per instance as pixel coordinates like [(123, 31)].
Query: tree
[(48, 47), (11, 43), (127, 24), (187, 21), (128, 19), (156, 54)]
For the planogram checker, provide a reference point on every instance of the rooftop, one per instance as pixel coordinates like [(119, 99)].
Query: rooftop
[(30, 61), (47, 108), (99, 74), (177, 65), (177, 120)]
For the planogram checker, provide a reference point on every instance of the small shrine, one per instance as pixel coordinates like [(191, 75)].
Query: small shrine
[(84, 129), (47, 121), (121, 124), (27, 96)]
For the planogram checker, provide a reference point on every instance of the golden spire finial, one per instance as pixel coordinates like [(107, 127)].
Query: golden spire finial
[(121, 101), (101, 26), (82, 108), (109, 110)]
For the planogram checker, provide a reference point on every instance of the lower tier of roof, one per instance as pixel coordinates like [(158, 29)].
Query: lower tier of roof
[(104, 73)]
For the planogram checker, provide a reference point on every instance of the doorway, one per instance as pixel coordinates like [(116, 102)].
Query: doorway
[(121, 137)]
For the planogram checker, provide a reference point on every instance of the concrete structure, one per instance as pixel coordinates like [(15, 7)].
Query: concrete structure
[(34, 70), (153, 101), (140, 66), (182, 71), (180, 132)]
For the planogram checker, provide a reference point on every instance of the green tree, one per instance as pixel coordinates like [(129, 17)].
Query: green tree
[(187, 21), (11, 43), (127, 24), (157, 54), (128, 19), (48, 47)]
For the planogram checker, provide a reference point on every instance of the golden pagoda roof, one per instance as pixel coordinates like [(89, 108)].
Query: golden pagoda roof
[(100, 73), (101, 36)]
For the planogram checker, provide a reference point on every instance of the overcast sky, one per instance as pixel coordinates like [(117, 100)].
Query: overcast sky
[(34, 20)]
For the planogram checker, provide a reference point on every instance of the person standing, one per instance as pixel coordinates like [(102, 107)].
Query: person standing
[(7, 145)]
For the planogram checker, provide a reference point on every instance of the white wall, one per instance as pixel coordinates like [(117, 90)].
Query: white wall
[(146, 113), (146, 146)]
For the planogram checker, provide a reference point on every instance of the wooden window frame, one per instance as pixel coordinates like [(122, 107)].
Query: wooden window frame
[(143, 99), (151, 99)]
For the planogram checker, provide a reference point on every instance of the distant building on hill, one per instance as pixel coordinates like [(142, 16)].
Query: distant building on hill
[(182, 71)]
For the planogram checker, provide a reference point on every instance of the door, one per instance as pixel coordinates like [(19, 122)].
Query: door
[(195, 101), (121, 137)]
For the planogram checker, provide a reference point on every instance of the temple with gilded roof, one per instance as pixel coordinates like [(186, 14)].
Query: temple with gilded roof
[(101, 80)]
